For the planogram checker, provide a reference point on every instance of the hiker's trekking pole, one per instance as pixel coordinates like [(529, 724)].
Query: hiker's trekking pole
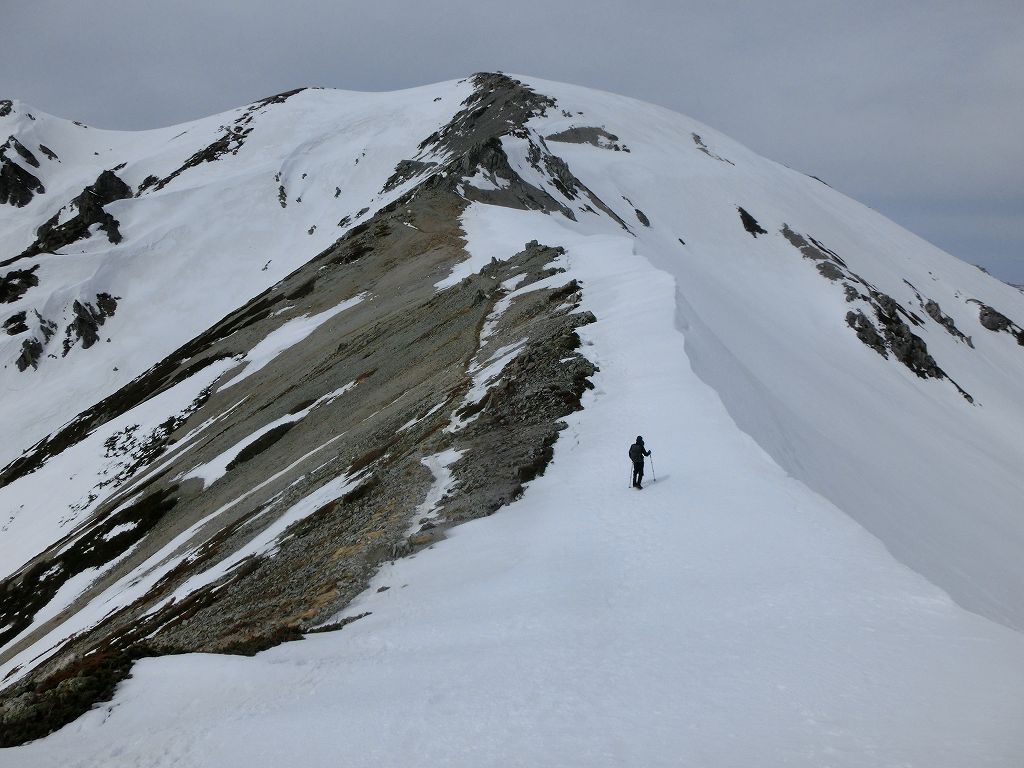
[(654, 477)]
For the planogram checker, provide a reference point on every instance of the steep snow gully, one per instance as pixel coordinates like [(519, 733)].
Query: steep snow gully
[(827, 571)]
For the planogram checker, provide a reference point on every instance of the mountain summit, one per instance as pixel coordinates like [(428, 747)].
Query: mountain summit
[(361, 370)]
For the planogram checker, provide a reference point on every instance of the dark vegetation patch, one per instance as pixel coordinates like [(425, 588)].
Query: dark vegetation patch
[(302, 290), (301, 406), (259, 445), (359, 463), (750, 223), (161, 377), (33, 711), (262, 640), (23, 595)]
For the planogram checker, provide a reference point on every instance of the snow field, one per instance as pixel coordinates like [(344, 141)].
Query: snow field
[(723, 616)]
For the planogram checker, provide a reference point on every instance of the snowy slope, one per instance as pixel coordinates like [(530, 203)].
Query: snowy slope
[(300, 173), (936, 479), (725, 616), (826, 571)]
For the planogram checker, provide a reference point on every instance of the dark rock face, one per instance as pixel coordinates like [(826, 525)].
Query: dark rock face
[(51, 236), (25, 154), (704, 148), (17, 185), (6, 107), (88, 319), (229, 142), (15, 324), (750, 223), (596, 137), (31, 350), (406, 170), (867, 332), (906, 347), (107, 188), (935, 313), (827, 262), (16, 283), (84, 327), (997, 322), (893, 333), (993, 320), (501, 105), (895, 337)]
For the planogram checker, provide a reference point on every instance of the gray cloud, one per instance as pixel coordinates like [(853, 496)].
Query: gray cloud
[(914, 108)]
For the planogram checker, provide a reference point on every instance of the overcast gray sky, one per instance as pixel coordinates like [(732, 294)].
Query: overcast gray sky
[(915, 108)]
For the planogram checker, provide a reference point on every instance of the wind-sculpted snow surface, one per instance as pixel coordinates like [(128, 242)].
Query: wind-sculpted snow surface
[(825, 572)]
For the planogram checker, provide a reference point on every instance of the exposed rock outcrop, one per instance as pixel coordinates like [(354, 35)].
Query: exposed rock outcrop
[(995, 321), (750, 223), (17, 185), (82, 213), (412, 369), (893, 332), (16, 283)]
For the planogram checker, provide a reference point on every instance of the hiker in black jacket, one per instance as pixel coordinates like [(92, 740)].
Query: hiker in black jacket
[(636, 454)]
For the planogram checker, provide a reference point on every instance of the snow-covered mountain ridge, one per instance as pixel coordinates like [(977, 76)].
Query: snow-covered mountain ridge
[(340, 323)]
